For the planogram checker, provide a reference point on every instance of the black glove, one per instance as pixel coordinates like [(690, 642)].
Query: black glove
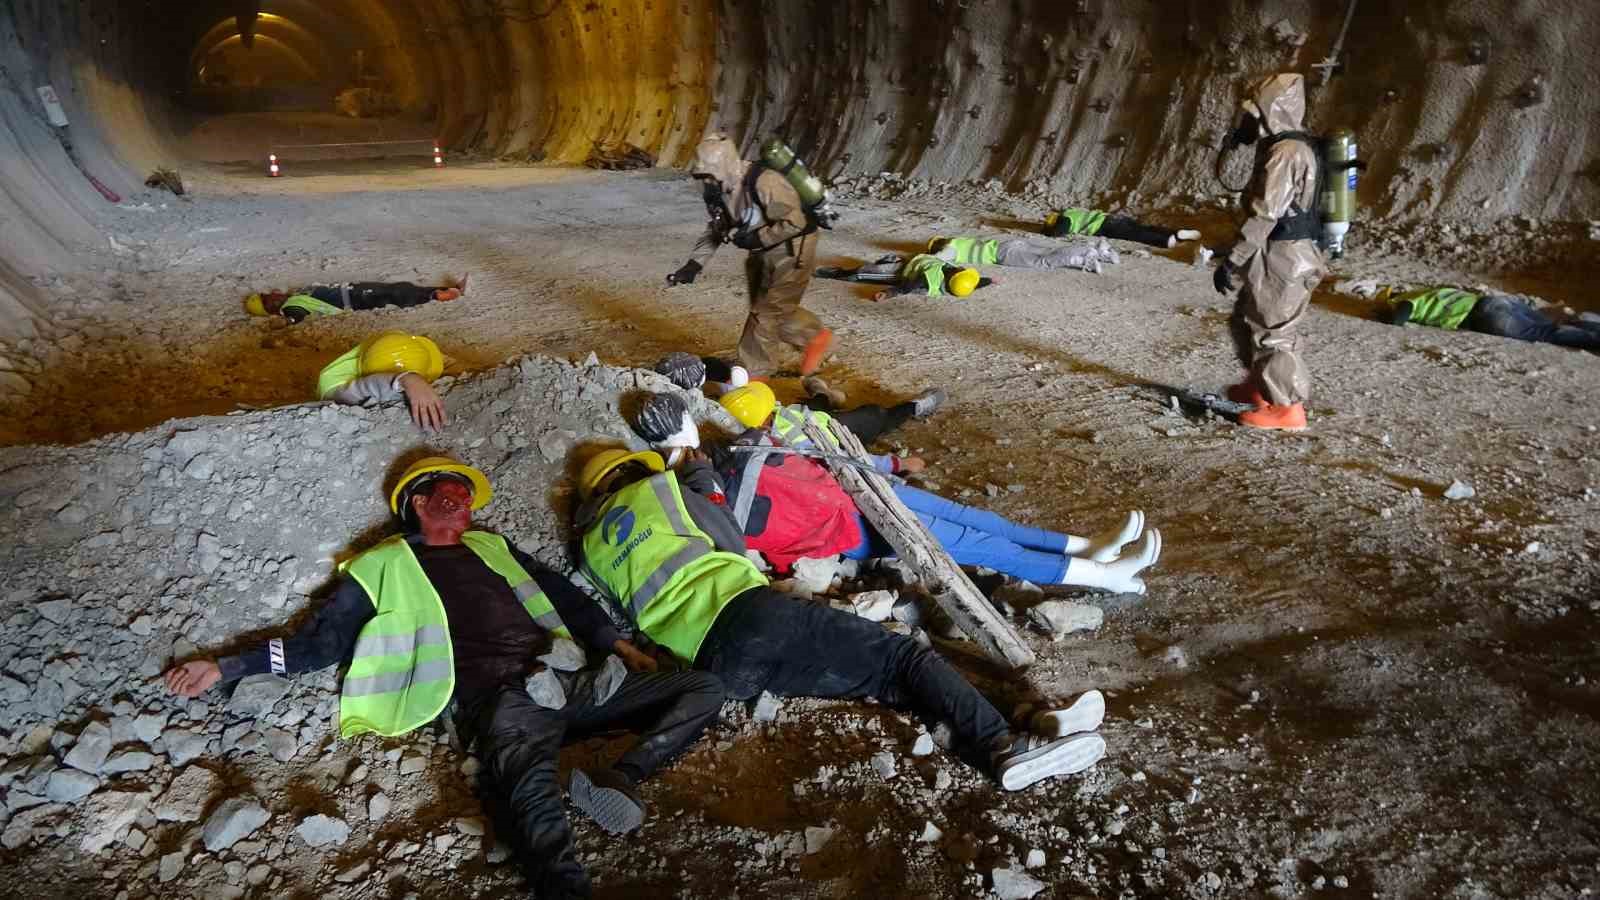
[(747, 240), (686, 274), (1223, 278)]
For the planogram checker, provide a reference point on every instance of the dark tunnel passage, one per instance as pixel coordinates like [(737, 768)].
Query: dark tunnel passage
[(1480, 108)]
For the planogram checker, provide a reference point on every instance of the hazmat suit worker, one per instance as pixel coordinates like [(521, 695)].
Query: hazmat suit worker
[(1277, 256), (664, 548), (386, 367), (448, 620), (755, 209)]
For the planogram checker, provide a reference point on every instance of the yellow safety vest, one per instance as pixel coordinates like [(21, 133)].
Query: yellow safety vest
[(339, 373), (930, 269), (974, 251), (1082, 221), (402, 671), (789, 424), (645, 552)]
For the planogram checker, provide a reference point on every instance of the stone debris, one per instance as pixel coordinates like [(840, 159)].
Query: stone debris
[(354, 873), (89, 753), (378, 807), (884, 764), (1060, 618), (232, 821), (183, 745), (817, 838), (815, 576), (930, 833), (923, 745), (128, 761), (108, 814), (255, 695), (1015, 884), (874, 606), (1459, 490), (323, 831), (70, 786), (1035, 859), (186, 798), (172, 865)]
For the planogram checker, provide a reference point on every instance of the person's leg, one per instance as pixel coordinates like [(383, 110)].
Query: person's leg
[(970, 546), (1019, 254), (1123, 228), (1508, 317), (669, 710), (795, 648), (518, 742), (374, 294), (1276, 294), (778, 280), (924, 502), (871, 421)]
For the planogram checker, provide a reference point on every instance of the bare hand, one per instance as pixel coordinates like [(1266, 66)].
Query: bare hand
[(911, 465), (427, 410), (635, 659), (881, 295), (193, 678)]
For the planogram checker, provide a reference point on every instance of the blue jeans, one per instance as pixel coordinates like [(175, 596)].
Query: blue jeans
[(1510, 318), (977, 537)]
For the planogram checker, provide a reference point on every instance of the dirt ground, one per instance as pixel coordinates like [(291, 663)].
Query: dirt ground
[(1339, 684)]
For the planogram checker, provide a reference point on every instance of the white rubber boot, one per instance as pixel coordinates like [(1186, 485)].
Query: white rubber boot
[(1106, 545), (1188, 234), (1085, 714), (1121, 576)]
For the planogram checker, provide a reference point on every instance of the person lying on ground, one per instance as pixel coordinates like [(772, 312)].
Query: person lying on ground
[(664, 549), (332, 299), (919, 274), (386, 367), (1096, 223), (788, 507), (1024, 253), (449, 619), (1487, 313), (869, 421)]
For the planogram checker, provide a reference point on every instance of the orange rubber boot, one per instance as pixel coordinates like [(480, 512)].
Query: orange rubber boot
[(1276, 418), (811, 359)]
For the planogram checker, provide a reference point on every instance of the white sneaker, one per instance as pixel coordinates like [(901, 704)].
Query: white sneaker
[(1085, 714), (1032, 758)]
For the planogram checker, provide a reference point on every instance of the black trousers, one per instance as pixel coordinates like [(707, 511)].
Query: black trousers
[(767, 641), (519, 742), (1122, 228), (868, 422), (374, 294)]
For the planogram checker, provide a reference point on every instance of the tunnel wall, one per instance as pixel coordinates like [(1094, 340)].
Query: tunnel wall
[(1115, 102)]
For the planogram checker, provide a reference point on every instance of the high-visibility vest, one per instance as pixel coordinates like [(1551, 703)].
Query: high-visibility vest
[(789, 423), (930, 269), (402, 671), (311, 305), (340, 372), (1439, 307), (973, 251), (1083, 221), (645, 552)]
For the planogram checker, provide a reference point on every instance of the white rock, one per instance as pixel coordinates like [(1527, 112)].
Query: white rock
[(187, 796), (817, 838), (90, 751), (874, 606), (70, 785), (378, 807), (1059, 617), (1035, 858), (767, 708), (1459, 490), (108, 814), (322, 831), (815, 576), (234, 820), (884, 764), (923, 746), (1015, 884), (930, 833)]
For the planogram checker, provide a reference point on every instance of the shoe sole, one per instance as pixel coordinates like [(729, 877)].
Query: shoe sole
[(1085, 714), (610, 808), (1067, 756)]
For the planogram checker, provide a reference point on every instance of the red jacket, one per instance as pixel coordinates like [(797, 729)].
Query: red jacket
[(794, 510)]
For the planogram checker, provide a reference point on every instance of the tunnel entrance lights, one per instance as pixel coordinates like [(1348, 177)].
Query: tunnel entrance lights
[(275, 169)]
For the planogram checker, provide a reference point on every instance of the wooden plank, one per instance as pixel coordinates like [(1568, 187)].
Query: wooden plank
[(941, 577)]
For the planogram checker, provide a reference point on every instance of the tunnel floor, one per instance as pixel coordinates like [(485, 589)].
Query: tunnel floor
[(1339, 680)]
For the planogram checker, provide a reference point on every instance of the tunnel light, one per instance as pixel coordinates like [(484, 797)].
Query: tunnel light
[(272, 165), (438, 157)]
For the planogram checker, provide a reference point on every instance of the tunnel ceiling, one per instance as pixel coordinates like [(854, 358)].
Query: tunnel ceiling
[(1465, 108)]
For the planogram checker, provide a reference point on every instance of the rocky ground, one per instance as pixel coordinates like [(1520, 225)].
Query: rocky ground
[(1365, 666)]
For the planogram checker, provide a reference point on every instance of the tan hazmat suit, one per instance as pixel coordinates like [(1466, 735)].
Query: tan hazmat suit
[(1279, 275), (778, 273)]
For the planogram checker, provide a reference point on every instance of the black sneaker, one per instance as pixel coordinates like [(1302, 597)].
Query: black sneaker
[(1033, 758), (609, 798), (928, 402)]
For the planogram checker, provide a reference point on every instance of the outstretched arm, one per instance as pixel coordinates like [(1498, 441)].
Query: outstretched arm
[(324, 640)]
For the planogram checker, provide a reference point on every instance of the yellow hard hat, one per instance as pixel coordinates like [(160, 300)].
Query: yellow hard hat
[(1053, 218), (964, 282), (254, 306), (935, 244), (396, 352), (481, 491), (751, 404), (606, 461)]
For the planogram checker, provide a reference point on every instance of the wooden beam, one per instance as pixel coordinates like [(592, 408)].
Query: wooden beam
[(941, 577)]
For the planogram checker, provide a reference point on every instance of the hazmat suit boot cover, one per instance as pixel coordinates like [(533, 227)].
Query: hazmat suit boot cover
[(1279, 276)]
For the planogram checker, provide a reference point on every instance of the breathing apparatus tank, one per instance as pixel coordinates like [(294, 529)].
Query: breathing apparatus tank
[(1339, 189), (776, 155)]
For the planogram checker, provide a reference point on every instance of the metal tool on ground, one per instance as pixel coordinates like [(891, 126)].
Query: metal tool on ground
[(946, 583)]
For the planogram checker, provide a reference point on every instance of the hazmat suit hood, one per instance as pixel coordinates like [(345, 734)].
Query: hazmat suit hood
[(718, 157), (1279, 102)]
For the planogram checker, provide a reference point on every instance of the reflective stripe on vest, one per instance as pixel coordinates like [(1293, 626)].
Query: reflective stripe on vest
[(402, 672), (967, 251), (1083, 221), (644, 551), (1439, 307), (929, 269), (311, 305), (339, 373), (789, 425)]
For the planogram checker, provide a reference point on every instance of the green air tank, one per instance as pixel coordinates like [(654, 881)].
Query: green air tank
[(778, 157), (1339, 191)]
